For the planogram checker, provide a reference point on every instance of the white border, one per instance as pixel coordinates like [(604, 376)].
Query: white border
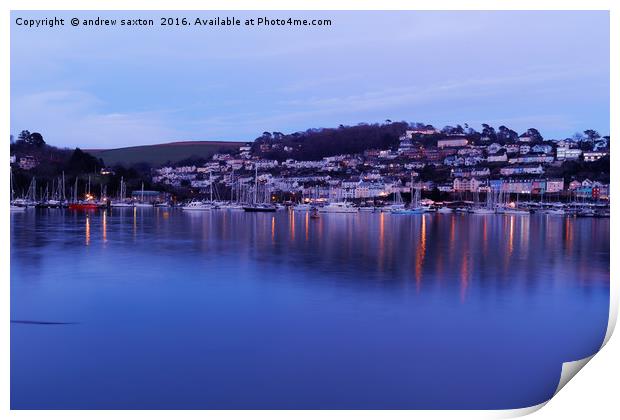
[(597, 390)]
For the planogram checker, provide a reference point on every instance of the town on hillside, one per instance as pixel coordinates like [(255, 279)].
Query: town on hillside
[(366, 165)]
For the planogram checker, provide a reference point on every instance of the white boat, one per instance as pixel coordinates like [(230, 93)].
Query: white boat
[(13, 201), (414, 206), (367, 209), (391, 208), (339, 207), (586, 213), (53, 203), (138, 204), (229, 206), (302, 207), (123, 204), (556, 212), (198, 206), (488, 209), (444, 210)]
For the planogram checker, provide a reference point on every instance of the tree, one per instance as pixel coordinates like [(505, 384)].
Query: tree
[(82, 162), (35, 139), (23, 136), (535, 135), (578, 137), (592, 135), (488, 131), (506, 135)]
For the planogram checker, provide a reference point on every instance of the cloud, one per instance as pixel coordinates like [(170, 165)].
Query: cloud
[(76, 118)]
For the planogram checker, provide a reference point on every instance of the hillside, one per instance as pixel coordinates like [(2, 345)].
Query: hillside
[(314, 144), (159, 154)]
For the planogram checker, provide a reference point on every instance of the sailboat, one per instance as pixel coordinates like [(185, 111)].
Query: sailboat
[(121, 197), (444, 209), (257, 207), (397, 204), (31, 196), (13, 206), (487, 209), (87, 204), (516, 210), (415, 206), (141, 203)]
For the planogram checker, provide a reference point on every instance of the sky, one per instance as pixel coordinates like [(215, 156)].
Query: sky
[(109, 87)]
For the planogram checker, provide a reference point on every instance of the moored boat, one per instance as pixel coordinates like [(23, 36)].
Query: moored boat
[(198, 206), (338, 207), (259, 208)]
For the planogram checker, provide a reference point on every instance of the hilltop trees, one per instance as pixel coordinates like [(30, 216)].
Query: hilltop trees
[(506, 135), (31, 139), (592, 135), (82, 162), (23, 136), (533, 134), (314, 144), (489, 132)]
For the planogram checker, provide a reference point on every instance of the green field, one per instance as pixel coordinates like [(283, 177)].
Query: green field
[(159, 154)]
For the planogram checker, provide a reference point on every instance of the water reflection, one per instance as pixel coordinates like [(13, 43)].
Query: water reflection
[(87, 231), (249, 310)]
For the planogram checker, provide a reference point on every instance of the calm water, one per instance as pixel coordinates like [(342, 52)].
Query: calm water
[(237, 310)]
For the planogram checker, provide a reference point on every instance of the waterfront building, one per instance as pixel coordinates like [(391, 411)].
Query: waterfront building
[(466, 184), (555, 185)]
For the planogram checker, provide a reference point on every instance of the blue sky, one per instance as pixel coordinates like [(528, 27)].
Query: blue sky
[(114, 87)]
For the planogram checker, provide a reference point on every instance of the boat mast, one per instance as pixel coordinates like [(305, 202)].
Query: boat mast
[(12, 191), (255, 183), (210, 187)]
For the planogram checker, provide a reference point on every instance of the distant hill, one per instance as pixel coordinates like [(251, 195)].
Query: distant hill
[(159, 154)]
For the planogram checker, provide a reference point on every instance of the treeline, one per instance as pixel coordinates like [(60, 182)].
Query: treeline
[(315, 144), (53, 162)]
